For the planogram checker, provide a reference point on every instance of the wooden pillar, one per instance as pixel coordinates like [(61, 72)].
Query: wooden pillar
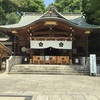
[(14, 46), (86, 47), (31, 56), (70, 56), (18, 46)]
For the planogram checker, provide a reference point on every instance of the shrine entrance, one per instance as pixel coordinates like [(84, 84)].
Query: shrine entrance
[(51, 52), (51, 56)]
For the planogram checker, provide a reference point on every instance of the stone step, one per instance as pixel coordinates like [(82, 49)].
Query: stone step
[(47, 69), (29, 70), (42, 69), (35, 69), (60, 70), (49, 73)]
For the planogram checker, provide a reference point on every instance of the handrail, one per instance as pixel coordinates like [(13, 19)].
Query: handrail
[(13, 60)]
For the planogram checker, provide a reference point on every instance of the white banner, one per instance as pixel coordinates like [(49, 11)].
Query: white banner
[(93, 67), (54, 44)]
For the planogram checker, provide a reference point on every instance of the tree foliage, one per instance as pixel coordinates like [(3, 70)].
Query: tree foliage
[(29, 5), (12, 18), (91, 11), (68, 5), (10, 10), (90, 8)]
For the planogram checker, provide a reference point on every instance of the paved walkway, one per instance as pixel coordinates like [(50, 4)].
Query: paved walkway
[(51, 87)]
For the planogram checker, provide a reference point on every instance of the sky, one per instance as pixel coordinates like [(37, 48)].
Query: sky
[(47, 2)]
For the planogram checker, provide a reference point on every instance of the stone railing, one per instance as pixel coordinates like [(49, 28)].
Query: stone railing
[(13, 60), (85, 62)]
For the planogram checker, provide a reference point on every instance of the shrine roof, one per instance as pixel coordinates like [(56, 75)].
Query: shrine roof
[(30, 17), (4, 49)]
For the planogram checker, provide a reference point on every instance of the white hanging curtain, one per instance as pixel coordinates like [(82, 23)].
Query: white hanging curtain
[(54, 44)]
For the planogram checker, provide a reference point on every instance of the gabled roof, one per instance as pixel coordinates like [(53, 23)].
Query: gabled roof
[(4, 39), (29, 18), (4, 49)]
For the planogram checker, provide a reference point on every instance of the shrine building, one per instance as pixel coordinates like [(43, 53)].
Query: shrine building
[(49, 38)]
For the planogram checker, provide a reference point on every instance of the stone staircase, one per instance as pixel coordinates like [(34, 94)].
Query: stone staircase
[(48, 69)]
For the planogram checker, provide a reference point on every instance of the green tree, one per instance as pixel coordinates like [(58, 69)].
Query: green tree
[(12, 18), (29, 5), (2, 16), (10, 8), (91, 11), (68, 5)]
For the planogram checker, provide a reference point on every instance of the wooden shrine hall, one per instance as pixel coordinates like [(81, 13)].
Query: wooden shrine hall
[(4, 52), (49, 38)]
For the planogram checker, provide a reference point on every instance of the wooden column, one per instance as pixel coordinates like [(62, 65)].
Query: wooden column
[(17, 46), (70, 56), (31, 56), (86, 46), (14, 46)]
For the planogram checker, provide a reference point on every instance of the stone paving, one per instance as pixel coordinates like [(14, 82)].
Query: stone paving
[(51, 87)]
